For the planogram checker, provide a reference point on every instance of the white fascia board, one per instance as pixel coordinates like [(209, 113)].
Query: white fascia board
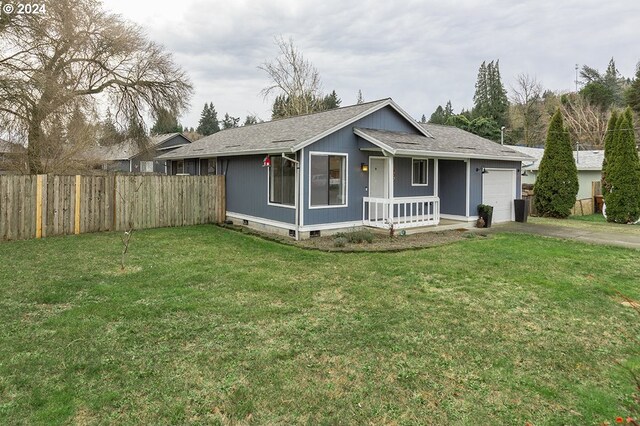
[(456, 155), (224, 154), (342, 125), (411, 120), (374, 141)]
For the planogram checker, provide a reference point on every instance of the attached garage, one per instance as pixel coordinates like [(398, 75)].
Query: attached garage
[(499, 190)]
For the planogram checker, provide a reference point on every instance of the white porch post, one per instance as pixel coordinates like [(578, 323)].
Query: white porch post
[(390, 216), (436, 181), (468, 186)]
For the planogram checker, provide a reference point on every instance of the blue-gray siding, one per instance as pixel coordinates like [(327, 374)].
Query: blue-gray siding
[(452, 179), (402, 182), (345, 141), (247, 189), (476, 180)]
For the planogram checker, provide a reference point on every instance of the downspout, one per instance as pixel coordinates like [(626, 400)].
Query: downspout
[(297, 194)]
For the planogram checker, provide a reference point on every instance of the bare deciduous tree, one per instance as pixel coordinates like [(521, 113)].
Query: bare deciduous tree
[(78, 57), (587, 123), (528, 107), (293, 79)]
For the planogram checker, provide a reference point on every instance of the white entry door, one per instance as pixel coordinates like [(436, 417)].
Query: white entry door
[(499, 191), (378, 184)]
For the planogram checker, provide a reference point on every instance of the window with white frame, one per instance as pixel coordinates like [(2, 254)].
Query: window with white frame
[(146, 166), (282, 181), (328, 174), (180, 167), (420, 172)]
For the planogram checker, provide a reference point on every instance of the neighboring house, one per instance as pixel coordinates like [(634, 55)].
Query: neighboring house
[(12, 157), (128, 157), (363, 165), (589, 164)]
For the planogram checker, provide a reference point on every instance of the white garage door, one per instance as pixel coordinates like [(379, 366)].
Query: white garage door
[(499, 191)]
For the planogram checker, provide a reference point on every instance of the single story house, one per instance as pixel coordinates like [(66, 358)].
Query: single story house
[(127, 156), (588, 162), (369, 164), (12, 157)]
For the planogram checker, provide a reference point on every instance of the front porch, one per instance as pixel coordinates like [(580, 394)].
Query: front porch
[(400, 212)]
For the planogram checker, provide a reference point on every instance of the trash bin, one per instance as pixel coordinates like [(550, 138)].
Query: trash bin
[(521, 210)]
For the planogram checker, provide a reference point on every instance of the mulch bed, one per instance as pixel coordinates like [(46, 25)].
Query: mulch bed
[(381, 241)]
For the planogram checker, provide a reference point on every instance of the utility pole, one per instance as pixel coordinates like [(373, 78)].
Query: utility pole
[(502, 135)]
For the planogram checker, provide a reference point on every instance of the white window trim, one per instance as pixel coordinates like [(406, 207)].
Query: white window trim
[(346, 180), (146, 162), (426, 171), (269, 203)]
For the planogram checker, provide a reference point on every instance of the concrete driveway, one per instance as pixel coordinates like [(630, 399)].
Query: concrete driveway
[(619, 239)]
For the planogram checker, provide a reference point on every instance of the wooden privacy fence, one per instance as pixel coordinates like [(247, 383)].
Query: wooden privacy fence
[(44, 205)]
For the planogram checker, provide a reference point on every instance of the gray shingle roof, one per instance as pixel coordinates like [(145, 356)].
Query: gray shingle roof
[(277, 135), (127, 149), (585, 160), (445, 141)]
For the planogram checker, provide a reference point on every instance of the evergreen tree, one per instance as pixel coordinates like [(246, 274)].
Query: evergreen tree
[(623, 173), (109, 133), (208, 123), (360, 99), (166, 122), (331, 101), (557, 184), (490, 98), (423, 119), (438, 116), (498, 101), (481, 96), (229, 122), (632, 95), (251, 119), (448, 109), (608, 146)]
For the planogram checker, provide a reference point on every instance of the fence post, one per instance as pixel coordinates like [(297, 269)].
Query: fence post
[(39, 206), (77, 209)]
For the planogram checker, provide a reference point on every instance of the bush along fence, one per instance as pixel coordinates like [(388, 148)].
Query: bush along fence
[(39, 206)]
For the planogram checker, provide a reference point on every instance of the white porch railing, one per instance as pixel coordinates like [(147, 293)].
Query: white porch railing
[(404, 212)]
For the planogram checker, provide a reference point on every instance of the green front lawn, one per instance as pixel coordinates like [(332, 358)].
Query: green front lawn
[(208, 325)]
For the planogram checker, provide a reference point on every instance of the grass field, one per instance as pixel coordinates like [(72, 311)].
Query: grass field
[(208, 325), (592, 222)]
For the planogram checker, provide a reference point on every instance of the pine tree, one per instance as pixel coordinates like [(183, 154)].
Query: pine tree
[(360, 99), (623, 173), (557, 184), (438, 116), (208, 123), (448, 110), (633, 92), (166, 122), (481, 96), (331, 101), (608, 146), (229, 122), (498, 101), (423, 119)]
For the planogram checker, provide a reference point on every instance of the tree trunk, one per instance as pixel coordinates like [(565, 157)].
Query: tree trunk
[(34, 149)]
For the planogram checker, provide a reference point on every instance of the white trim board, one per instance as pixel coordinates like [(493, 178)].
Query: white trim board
[(458, 217), (290, 226)]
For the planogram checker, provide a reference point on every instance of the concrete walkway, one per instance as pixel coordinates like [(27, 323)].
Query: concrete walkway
[(569, 233)]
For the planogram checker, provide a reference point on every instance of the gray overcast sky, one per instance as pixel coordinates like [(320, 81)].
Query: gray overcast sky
[(420, 53)]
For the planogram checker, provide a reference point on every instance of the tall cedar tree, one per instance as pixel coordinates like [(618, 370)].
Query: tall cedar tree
[(608, 146), (633, 93), (623, 174), (490, 99), (208, 123), (557, 184)]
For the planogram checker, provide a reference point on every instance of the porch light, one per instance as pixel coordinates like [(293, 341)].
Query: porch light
[(364, 167), (483, 170)]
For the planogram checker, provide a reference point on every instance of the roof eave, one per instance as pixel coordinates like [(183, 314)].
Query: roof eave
[(169, 156), (461, 155)]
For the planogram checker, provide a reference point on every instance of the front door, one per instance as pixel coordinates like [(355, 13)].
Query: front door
[(378, 185)]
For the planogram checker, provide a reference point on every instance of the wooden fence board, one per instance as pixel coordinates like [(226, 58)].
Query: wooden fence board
[(105, 203)]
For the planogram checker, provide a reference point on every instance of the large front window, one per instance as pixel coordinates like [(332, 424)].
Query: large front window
[(328, 180), (282, 181)]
